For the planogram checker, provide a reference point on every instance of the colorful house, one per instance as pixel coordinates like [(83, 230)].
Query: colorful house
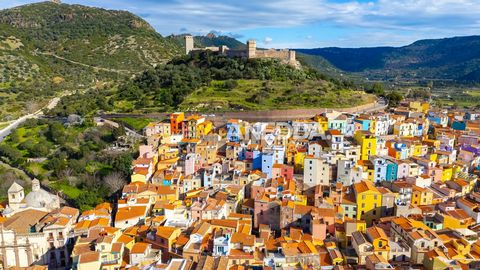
[(368, 144), (369, 202), (176, 122)]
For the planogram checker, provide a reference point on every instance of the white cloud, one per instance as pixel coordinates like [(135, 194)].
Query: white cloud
[(267, 40), (422, 18)]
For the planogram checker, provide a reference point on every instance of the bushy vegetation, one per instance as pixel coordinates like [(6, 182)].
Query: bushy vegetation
[(50, 48), (74, 159), (167, 86)]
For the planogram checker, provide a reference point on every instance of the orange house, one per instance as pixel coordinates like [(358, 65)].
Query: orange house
[(176, 120)]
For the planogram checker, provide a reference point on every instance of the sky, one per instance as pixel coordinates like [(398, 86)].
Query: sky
[(304, 23)]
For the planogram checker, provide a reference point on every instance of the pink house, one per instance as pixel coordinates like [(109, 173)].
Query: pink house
[(189, 164), (146, 151), (267, 211), (319, 230), (435, 173), (282, 170), (403, 170)]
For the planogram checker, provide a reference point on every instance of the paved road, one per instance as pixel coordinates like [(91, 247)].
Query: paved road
[(14, 124), (220, 118)]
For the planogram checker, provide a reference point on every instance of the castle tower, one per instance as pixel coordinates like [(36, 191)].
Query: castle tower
[(251, 48), (291, 57), (188, 44)]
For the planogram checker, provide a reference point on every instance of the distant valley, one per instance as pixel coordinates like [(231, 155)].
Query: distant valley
[(455, 59)]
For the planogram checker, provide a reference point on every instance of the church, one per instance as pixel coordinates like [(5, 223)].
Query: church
[(38, 199)]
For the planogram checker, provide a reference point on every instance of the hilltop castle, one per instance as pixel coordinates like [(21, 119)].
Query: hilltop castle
[(287, 56)]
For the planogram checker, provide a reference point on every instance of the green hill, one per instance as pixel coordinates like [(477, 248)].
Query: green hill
[(47, 47), (205, 81), (456, 59)]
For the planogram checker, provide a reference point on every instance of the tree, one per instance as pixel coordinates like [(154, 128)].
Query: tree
[(394, 98), (122, 163), (56, 164), (118, 132), (377, 89), (56, 132), (11, 153), (230, 84), (87, 200), (114, 181), (39, 150)]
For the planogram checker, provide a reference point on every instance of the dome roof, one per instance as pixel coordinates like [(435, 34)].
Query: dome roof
[(40, 198)]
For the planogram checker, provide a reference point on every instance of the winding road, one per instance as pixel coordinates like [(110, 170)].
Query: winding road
[(14, 124)]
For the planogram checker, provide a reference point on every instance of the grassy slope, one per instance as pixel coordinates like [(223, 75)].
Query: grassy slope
[(136, 123), (79, 44), (284, 95)]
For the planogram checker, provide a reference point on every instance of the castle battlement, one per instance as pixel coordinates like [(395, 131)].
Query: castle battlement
[(285, 55)]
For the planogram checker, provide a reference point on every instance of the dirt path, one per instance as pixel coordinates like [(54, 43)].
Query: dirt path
[(119, 71)]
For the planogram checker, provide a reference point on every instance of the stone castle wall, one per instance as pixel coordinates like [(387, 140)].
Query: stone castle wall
[(287, 56)]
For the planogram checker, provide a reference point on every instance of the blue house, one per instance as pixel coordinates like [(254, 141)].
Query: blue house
[(392, 170), (364, 124), (233, 131), (459, 125), (384, 169), (267, 163)]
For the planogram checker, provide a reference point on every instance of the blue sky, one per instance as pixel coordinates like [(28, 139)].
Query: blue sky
[(304, 23)]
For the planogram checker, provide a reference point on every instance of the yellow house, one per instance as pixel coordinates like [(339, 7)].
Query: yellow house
[(207, 152), (322, 123), (447, 173), (369, 201), (165, 237), (380, 242), (299, 160), (350, 226), (368, 144), (435, 259), (418, 150), (419, 106), (456, 219), (421, 196), (204, 129), (300, 200), (138, 178), (127, 241), (89, 261)]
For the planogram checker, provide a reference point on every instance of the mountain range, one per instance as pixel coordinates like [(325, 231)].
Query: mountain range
[(456, 59)]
